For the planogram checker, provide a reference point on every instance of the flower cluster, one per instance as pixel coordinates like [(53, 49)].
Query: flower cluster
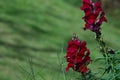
[(94, 15), (77, 55)]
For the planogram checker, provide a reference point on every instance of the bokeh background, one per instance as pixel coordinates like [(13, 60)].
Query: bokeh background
[(34, 35)]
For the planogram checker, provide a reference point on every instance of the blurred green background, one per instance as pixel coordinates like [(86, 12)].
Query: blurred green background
[(34, 35)]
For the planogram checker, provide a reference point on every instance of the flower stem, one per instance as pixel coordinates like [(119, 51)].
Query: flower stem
[(84, 77), (105, 52)]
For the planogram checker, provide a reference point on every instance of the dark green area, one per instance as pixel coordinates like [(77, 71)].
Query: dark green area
[(40, 29)]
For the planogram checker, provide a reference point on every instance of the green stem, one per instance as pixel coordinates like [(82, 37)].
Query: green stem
[(84, 77), (105, 52)]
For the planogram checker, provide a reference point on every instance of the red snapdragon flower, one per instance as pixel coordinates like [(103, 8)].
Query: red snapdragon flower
[(77, 55), (94, 15)]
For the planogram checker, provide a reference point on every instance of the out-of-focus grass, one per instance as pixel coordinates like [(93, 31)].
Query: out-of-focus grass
[(39, 29)]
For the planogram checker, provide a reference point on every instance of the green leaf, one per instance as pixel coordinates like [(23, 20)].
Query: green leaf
[(102, 58)]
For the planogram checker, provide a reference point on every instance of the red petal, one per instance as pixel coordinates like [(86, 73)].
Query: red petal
[(70, 65), (83, 44), (84, 69), (92, 19), (87, 1), (97, 4)]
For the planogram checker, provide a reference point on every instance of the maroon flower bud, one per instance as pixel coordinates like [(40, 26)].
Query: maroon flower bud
[(111, 51)]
